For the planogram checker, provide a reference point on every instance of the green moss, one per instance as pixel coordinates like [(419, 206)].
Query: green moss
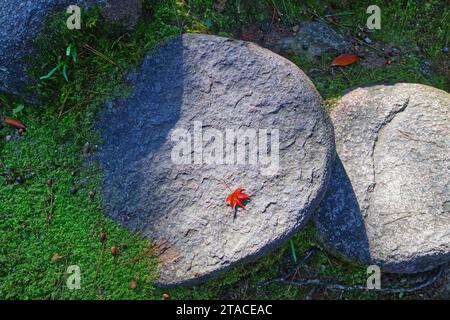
[(51, 148)]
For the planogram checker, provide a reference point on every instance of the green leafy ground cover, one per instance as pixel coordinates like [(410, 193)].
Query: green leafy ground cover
[(40, 218)]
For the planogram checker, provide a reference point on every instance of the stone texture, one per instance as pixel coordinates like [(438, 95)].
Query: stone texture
[(124, 12), (225, 84), (21, 21), (312, 39), (388, 202)]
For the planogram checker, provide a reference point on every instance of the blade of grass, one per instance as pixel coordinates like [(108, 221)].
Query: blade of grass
[(65, 72), (52, 71), (294, 254)]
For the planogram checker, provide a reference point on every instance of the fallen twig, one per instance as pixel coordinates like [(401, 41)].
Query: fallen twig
[(294, 271), (289, 280), (101, 55), (334, 286), (345, 75), (62, 106), (159, 246), (51, 211), (100, 259)]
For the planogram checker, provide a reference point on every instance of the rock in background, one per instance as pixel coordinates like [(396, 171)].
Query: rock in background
[(225, 84), (389, 197), (21, 21), (124, 12), (310, 38)]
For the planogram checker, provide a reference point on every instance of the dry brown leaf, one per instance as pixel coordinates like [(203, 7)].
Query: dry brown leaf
[(56, 257), (345, 59)]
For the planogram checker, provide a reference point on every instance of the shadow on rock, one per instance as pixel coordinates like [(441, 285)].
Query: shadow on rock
[(135, 129), (340, 210)]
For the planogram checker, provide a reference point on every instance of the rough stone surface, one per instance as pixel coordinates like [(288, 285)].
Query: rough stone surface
[(125, 12), (313, 39), (225, 84), (21, 21), (388, 202)]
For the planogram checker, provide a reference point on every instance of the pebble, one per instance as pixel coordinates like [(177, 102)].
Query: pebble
[(20, 179), (87, 148)]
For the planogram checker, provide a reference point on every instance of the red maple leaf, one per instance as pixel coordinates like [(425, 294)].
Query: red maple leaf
[(237, 197)]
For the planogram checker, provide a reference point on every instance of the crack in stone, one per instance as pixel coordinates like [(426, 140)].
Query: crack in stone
[(386, 122)]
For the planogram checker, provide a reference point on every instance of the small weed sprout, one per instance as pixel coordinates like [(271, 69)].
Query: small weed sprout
[(63, 64)]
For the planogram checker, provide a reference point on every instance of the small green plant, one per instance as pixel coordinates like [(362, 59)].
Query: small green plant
[(294, 254), (71, 56), (18, 110)]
